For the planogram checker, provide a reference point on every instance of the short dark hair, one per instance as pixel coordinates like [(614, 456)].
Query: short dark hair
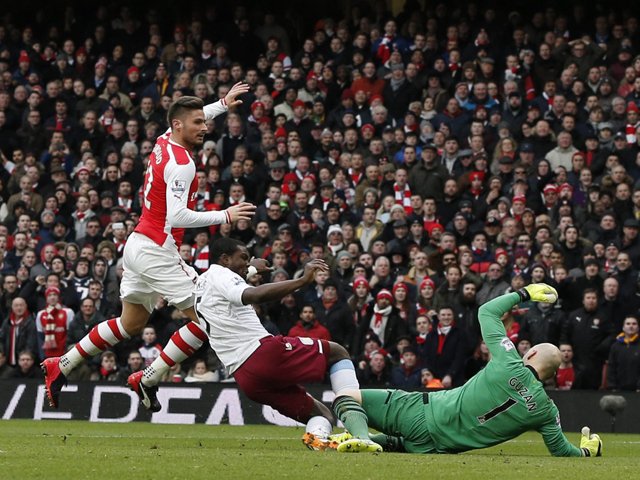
[(224, 246), (183, 105)]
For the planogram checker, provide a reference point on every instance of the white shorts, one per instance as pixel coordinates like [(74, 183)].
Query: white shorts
[(151, 271)]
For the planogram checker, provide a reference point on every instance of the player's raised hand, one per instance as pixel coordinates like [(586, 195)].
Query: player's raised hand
[(238, 89), (260, 264), (541, 292), (242, 211), (313, 266)]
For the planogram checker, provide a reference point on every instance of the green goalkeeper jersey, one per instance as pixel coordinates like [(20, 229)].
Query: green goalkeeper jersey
[(502, 401)]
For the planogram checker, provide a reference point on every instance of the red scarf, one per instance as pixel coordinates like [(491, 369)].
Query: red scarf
[(403, 197), (355, 176), (630, 132), (49, 318), (442, 337), (125, 203), (384, 52), (379, 316), (15, 323)]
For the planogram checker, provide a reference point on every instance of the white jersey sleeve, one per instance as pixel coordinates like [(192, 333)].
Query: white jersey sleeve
[(212, 110), (178, 179), (232, 288)]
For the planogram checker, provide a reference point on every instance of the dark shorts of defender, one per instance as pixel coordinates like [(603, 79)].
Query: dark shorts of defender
[(400, 414), (272, 374)]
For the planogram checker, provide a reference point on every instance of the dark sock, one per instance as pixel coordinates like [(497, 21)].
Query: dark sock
[(389, 443), (352, 415)]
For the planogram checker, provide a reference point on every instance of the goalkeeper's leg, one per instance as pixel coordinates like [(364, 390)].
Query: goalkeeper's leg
[(388, 442)]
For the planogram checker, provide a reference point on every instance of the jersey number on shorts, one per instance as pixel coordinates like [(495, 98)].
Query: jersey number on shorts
[(497, 411), (147, 187)]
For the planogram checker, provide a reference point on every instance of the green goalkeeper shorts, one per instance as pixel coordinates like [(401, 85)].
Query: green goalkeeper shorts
[(400, 414)]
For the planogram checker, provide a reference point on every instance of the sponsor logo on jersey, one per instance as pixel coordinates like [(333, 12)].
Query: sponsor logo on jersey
[(507, 344), (178, 187)]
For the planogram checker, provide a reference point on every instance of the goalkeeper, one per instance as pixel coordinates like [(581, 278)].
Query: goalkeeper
[(502, 401)]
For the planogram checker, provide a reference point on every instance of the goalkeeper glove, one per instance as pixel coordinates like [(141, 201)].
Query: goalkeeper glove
[(591, 445), (538, 292)]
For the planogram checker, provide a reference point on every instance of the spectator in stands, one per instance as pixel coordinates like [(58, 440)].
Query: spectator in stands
[(309, 326), (150, 349), (18, 333), (27, 366), (446, 349), (83, 321), (568, 375), (591, 337), (375, 372), (52, 324), (135, 363), (108, 370), (623, 367), (494, 284), (334, 314), (381, 319), (407, 375), (200, 373)]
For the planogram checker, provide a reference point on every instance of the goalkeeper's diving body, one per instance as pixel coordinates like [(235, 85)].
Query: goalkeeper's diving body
[(502, 401)]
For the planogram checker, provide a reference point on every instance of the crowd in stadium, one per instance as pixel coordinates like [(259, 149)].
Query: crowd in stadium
[(436, 159)]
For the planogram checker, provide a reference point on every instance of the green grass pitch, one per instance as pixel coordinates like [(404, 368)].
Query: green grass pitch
[(73, 450)]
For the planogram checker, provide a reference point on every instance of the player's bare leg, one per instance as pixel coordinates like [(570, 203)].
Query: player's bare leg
[(101, 337)]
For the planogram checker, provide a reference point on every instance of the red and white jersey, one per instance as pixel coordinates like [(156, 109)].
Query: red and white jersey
[(170, 191)]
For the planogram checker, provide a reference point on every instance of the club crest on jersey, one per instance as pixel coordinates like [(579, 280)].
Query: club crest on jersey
[(178, 186)]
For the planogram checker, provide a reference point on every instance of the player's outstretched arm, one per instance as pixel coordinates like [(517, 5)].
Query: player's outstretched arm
[(275, 291), (490, 315)]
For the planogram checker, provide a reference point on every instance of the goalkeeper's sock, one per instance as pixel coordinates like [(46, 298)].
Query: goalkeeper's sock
[(388, 442), (352, 415)]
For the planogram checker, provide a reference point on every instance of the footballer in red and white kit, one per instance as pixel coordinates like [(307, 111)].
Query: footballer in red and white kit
[(152, 265), (169, 198), (268, 369)]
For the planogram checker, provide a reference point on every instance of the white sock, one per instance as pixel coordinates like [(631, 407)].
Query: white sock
[(342, 375), (182, 344), (319, 426)]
